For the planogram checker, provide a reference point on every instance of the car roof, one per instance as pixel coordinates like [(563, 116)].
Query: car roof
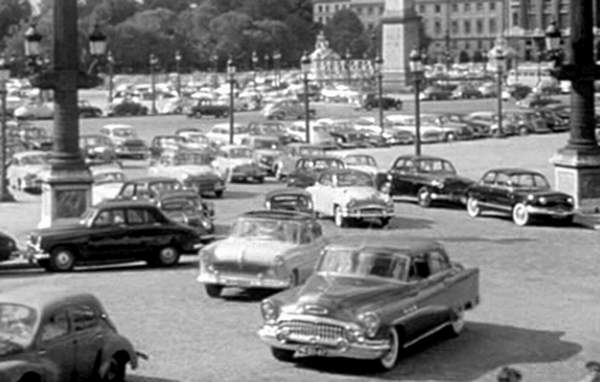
[(411, 246), (231, 147), (420, 157), (514, 170), (124, 203), (278, 215), (47, 297), (287, 191), (343, 171), (151, 179), (318, 157)]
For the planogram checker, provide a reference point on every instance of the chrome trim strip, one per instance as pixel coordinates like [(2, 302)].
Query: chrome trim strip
[(425, 335)]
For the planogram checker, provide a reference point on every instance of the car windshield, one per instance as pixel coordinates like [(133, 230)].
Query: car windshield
[(186, 205), (289, 202), (361, 160), (364, 263), (106, 177), (197, 138), (266, 144), (17, 326), (310, 151), (34, 159), (192, 158), (240, 153), (124, 133), (164, 186), (355, 179), (435, 165), (169, 140), (267, 229), (94, 141), (528, 180), (323, 164)]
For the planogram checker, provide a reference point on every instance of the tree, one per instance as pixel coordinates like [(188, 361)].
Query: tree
[(230, 31), (113, 12), (345, 32), (12, 12)]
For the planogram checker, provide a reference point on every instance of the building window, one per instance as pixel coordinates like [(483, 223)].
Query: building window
[(370, 26), (492, 5), (467, 26), (454, 27), (467, 7), (438, 8), (358, 10), (381, 10), (467, 45), (493, 26), (479, 6), (421, 8), (327, 8), (515, 18), (320, 8), (454, 7), (336, 8), (370, 10), (479, 26), (437, 28)]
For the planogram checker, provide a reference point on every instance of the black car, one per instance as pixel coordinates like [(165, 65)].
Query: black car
[(290, 199), (110, 232), (87, 110), (206, 106), (308, 168), (8, 247), (350, 139), (522, 193), (187, 207), (128, 107), (371, 101), (426, 178)]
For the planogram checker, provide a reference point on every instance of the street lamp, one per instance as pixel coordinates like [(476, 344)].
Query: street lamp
[(498, 55), (347, 58), (277, 63), (484, 57), (153, 61), (5, 195), (231, 78), (178, 71), (416, 67), (378, 66), (111, 72), (254, 62), (33, 49), (305, 68)]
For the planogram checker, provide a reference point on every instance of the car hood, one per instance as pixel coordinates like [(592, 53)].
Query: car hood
[(59, 230), (344, 296), (34, 168), (103, 191), (364, 168), (250, 250), (233, 162)]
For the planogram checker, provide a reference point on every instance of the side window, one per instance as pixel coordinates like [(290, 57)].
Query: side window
[(437, 262), (56, 326), (152, 216), (135, 216), (118, 217), (83, 317), (419, 269), (128, 190), (317, 231), (103, 219), (502, 180), (488, 178), (305, 237)]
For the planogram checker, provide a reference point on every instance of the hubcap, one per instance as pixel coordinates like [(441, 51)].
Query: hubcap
[(389, 359), (168, 254), (473, 207), (63, 258), (424, 197), (520, 214)]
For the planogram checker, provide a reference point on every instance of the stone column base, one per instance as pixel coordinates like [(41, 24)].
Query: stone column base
[(397, 82), (66, 194), (578, 174)]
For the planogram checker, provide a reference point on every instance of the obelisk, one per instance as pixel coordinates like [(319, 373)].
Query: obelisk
[(400, 27)]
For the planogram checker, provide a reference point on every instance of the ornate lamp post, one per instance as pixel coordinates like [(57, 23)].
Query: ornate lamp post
[(215, 61), (277, 63), (5, 195), (484, 57), (378, 66), (347, 59), (231, 78), (66, 186), (178, 71), (254, 63), (111, 72), (416, 67), (498, 55), (577, 165), (305, 68), (153, 61)]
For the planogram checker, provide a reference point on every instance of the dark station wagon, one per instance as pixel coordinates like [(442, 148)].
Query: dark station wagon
[(111, 232)]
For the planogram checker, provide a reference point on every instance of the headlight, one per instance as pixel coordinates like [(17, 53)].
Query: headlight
[(543, 200), (386, 188), (437, 183), (207, 225), (268, 205), (269, 310), (530, 197), (570, 200), (278, 261), (370, 321), (351, 203)]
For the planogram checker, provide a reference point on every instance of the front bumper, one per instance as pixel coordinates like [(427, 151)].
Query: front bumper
[(305, 345), (34, 253), (549, 211), (242, 280), (368, 212)]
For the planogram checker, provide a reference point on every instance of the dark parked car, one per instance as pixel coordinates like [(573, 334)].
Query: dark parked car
[(187, 207), (534, 100), (434, 93), (290, 199), (370, 302), (113, 231), (350, 139), (8, 247), (87, 110), (97, 149), (127, 107), (428, 179), (53, 335), (522, 193), (162, 143), (308, 169), (371, 101), (466, 91), (206, 106)]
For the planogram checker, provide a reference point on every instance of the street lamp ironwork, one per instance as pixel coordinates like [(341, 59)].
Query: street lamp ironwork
[(305, 68), (277, 63), (231, 78), (416, 67), (5, 195), (378, 66), (153, 61), (499, 56), (254, 63), (178, 71), (347, 59), (111, 72)]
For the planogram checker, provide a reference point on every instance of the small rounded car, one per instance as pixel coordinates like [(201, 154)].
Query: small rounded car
[(51, 335), (290, 199), (370, 301), (524, 194), (8, 247)]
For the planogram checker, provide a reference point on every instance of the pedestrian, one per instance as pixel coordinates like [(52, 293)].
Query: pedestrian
[(508, 374)]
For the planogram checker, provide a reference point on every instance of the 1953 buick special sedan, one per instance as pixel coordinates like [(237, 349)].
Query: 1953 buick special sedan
[(266, 249), (370, 302)]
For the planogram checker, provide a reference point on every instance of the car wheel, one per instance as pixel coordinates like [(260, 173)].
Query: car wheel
[(523, 130), (390, 359), (260, 180), (62, 259), (213, 290), (398, 105), (457, 324), (424, 197), (282, 355), (473, 207), (116, 370), (219, 194), (451, 137), (520, 214), (339, 220), (168, 256), (385, 221)]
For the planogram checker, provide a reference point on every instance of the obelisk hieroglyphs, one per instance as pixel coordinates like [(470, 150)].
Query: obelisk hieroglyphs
[(400, 25)]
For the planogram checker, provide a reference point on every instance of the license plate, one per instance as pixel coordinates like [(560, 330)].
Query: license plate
[(310, 350)]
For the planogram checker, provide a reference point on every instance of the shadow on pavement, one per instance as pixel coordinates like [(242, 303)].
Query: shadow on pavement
[(472, 239), (141, 378), (481, 348), (399, 222), (235, 194)]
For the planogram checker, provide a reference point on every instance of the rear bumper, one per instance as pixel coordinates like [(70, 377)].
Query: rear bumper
[(241, 280)]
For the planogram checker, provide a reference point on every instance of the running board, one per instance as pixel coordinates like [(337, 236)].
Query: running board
[(425, 335)]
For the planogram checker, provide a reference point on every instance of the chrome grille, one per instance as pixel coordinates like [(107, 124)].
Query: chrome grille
[(371, 210), (312, 329), (240, 266)]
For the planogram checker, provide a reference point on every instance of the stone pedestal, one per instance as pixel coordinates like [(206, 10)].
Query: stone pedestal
[(400, 27), (66, 194), (577, 173)]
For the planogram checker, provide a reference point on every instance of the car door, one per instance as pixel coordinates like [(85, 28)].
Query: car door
[(402, 175), (482, 191), (319, 193), (140, 231), (108, 239), (500, 192), (88, 338), (56, 343)]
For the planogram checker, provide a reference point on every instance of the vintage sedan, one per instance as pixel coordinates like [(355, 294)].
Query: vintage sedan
[(290, 199), (108, 180), (162, 143), (126, 142), (110, 232), (148, 188), (309, 168), (265, 249), (53, 335), (8, 247), (192, 169), (350, 195), (97, 148), (34, 137), (265, 149), (87, 110), (428, 179), (362, 162), (524, 194), (286, 162), (370, 302), (237, 163), (187, 207), (25, 170)]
